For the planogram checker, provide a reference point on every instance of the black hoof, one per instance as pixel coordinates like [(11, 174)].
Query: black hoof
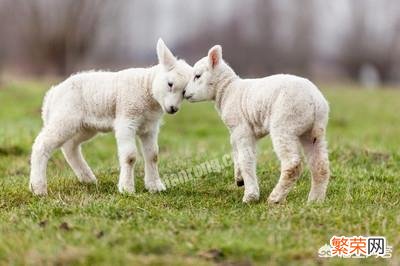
[(240, 183)]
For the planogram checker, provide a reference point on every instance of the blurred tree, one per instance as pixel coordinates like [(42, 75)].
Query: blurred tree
[(361, 46), (286, 48), (254, 41), (302, 48), (59, 35), (3, 18), (260, 52), (258, 37)]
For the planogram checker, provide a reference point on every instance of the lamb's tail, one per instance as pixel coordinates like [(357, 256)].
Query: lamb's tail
[(320, 121), (46, 106)]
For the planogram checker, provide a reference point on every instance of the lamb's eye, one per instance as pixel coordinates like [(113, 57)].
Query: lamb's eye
[(170, 84), (197, 76)]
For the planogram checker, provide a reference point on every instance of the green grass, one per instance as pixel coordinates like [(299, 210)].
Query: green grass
[(88, 224)]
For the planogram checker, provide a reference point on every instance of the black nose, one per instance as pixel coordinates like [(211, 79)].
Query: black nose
[(173, 109)]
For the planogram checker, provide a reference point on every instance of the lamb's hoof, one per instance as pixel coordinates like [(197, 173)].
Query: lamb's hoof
[(274, 199), (240, 183), (126, 188), (316, 198), (38, 189), (155, 186), (251, 197), (88, 180)]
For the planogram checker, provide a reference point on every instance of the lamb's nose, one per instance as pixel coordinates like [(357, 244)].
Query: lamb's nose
[(173, 109)]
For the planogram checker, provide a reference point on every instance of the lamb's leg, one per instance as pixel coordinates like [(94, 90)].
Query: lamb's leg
[(152, 179), (50, 138), (317, 159), (238, 175), (125, 136), (287, 147), (73, 154), (246, 159)]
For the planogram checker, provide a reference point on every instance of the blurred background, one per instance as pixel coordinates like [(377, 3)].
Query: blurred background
[(342, 40)]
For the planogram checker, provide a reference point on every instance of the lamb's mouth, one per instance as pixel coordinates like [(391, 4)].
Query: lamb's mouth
[(190, 98)]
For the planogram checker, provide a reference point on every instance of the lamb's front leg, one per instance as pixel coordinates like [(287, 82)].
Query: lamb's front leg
[(125, 135), (245, 143), (238, 175), (152, 179)]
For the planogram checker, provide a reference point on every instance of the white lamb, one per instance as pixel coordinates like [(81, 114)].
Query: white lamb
[(129, 102), (289, 108)]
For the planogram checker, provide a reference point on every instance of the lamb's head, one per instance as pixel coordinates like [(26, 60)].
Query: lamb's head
[(171, 79), (205, 72)]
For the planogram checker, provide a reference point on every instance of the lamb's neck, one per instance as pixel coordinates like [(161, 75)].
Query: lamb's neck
[(148, 78), (147, 83), (221, 85)]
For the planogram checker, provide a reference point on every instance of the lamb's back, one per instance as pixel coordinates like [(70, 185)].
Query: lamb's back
[(281, 99), (87, 93)]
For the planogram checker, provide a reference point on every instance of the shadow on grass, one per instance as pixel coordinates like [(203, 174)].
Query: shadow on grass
[(12, 151)]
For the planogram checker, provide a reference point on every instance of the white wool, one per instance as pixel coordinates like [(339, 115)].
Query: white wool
[(289, 108), (130, 102)]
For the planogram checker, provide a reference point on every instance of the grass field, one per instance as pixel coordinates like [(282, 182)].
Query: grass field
[(203, 221)]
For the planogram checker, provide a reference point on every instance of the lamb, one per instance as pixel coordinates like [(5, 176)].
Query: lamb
[(289, 108), (130, 102)]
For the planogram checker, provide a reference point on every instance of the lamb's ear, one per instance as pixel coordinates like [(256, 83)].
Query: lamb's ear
[(215, 55), (165, 56)]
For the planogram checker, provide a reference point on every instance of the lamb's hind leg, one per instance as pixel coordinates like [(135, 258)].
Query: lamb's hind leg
[(316, 152), (50, 138), (73, 154), (287, 148)]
